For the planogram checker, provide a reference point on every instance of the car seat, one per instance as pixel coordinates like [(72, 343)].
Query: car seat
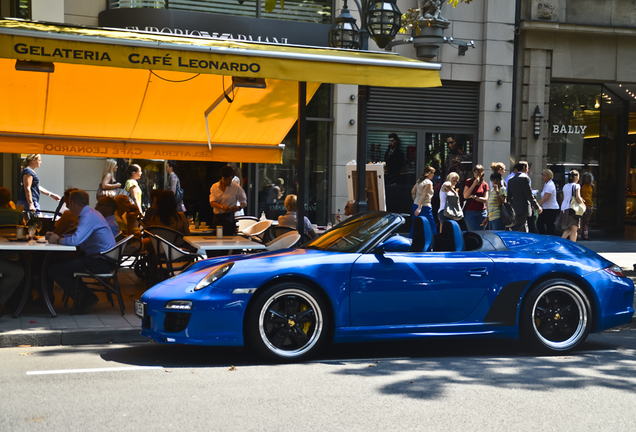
[(422, 235), (451, 239)]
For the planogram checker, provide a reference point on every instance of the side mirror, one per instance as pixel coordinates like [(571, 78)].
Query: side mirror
[(396, 243)]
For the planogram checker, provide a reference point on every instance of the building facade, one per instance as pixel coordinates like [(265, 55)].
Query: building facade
[(570, 59), (575, 65)]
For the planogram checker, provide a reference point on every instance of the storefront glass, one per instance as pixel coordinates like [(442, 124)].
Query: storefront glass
[(585, 122), (276, 181)]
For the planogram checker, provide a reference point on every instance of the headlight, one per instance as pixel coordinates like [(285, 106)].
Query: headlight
[(215, 274)]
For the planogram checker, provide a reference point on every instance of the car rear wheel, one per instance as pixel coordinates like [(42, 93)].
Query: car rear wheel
[(556, 316), (288, 322)]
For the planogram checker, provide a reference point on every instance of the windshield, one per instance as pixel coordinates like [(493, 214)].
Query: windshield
[(354, 234)]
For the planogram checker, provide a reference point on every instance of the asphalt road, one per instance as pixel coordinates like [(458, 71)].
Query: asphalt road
[(454, 385)]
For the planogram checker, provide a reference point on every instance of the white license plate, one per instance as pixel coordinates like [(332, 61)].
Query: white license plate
[(140, 308)]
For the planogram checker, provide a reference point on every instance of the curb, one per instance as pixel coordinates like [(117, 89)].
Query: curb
[(69, 337)]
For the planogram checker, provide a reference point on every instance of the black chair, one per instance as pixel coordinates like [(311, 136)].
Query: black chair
[(108, 281), (168, 259), (276, 231), (170, 235)]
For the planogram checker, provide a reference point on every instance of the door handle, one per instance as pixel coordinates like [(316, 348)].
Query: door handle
[(478, 272)]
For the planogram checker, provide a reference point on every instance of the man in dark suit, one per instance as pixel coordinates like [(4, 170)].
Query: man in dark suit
[(521, 198)]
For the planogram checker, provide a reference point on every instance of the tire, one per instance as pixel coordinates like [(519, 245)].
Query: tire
[(556, 317), (288, 322)]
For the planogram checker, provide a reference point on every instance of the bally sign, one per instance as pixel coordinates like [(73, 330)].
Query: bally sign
[(568, 129)]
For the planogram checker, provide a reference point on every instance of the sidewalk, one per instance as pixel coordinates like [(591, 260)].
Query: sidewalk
[(104, 324)]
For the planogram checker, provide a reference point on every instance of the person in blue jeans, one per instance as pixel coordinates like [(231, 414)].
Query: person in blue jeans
[(476, 192), (423, 192), (495, 199)]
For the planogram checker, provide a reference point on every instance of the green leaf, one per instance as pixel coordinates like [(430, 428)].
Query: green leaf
[(270, 5)]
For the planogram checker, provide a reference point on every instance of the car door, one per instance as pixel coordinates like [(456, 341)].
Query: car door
[(409, 288)]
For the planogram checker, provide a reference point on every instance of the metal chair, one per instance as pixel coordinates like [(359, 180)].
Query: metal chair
[(168, 258), (172, 236), (108, 280), (283, 242)]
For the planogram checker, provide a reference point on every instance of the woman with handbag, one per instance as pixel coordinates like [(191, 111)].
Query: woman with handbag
[(572, 203), (449, 208), (108, 186)]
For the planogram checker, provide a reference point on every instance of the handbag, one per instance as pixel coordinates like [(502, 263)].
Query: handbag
[(111, 193), (452, 209), (507, 215), (579, 209)]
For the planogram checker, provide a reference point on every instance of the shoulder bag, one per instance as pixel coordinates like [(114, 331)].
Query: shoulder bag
[(452, 209), (507, 215), (579, 209)]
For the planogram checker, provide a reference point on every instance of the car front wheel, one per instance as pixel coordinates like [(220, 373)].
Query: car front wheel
[(556, 317), (288, 322)]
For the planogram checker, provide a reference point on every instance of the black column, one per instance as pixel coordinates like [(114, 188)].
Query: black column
[(302, 127), (361, 157)]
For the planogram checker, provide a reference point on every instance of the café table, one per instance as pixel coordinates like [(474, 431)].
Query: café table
[(203, 244), (23, 248)]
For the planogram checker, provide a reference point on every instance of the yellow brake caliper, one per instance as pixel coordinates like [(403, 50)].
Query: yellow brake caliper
[(307, 324)]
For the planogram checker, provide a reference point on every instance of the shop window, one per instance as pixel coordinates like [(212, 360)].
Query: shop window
[(276, 181), (15, 9), (584, 124)]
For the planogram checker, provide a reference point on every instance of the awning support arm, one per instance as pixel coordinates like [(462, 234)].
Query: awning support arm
[(212, 107)]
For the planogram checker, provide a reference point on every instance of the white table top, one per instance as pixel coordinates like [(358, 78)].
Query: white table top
[(206, 243), (34, 246)]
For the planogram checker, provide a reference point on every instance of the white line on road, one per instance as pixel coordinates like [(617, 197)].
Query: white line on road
[(72, 371)]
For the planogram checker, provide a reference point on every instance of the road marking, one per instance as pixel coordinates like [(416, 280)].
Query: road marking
[(72, 371)]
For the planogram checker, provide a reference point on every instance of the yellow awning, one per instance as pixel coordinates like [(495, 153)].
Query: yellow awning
[(131, 94)]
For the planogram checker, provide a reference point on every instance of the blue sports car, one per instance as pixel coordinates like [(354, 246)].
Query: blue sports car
[(362, 282)]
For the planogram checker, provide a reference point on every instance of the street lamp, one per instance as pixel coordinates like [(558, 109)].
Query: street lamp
[(381, 19)]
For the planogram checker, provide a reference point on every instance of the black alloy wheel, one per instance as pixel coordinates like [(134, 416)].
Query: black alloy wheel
[(556, 316), (288, 322)]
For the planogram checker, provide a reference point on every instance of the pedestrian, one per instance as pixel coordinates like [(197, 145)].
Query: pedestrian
[(109, 185), (132, 185), (499, 167), (447, 189), (548, 218), (225, 199), (587, 190), (394, 159), (532, 226), (521, 197), (174, 184), (30, 188), (495, 199), (93, 236), (568, 219), (423, 192), (476, 192)]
